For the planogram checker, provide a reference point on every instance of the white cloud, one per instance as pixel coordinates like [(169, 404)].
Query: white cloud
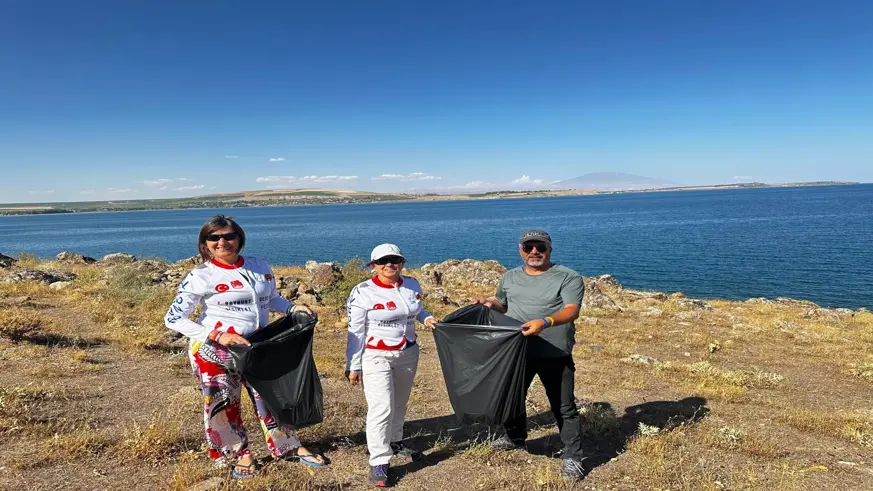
[(231, 156), (189, 188), (277, 159), (164, 181), (525, 179), (415, 176), (47, 191), (304, 179), (474, 185)]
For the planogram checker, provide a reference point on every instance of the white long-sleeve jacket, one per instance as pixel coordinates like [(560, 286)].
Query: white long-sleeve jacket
[(235, 299), (382, 317)]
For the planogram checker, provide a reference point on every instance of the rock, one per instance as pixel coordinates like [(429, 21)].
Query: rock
[(792, 302), (845, 312), (118, 258), (323, 275), (595, 298), (694, 303), (288, 286), (607, 282), (588, 320), (678, 295), (758, 300), (60, 285), (714, 346), (73, 258), (441, 295), (652, 312), (189, 262), (688, 315), (47, 277), (454, 273), (635, 295), (832, 314), (307, 299), (6, 261), (641, 360)]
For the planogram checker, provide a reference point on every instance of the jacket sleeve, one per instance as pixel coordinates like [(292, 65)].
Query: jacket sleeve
[(357, 331), (191, 291), (423, 314), (277, 303)]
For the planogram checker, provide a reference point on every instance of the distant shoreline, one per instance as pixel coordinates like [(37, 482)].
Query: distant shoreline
[(304, 197)]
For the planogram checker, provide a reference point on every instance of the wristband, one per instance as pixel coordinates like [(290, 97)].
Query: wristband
[(546, 322), (551, 320), (218, 337)]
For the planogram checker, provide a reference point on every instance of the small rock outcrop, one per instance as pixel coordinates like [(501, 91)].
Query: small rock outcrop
[(693, 303), (637, 359), (47, 277), (288, 286), (189, 262), (60, 285), (323, 275), (6, 261), (118, 258), (74, 258), (455, 273), (595, 297), (607, 282)]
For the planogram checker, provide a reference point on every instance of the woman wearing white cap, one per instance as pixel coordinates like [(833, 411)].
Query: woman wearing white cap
[(383, 354)]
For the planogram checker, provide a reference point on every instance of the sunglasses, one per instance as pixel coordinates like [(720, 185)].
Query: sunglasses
[(382, 261), (527, 247), (227, 237)]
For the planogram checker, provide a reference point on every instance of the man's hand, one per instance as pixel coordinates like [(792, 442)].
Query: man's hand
[(356, 378), (301, 308), (485, 301), (430, 322), (227, 339), (533, 328)]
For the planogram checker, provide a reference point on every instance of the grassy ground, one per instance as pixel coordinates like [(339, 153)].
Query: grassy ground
[(743, 396)]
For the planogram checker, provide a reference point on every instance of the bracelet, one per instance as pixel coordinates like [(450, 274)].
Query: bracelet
[(546, 321), (218, 337), (551, 320)]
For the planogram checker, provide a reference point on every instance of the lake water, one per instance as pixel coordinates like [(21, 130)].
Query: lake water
[(812, 242)]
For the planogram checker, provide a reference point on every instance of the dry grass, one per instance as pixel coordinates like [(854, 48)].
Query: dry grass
[(788, 397)]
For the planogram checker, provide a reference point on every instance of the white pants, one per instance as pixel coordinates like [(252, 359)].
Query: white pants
[(388, 377)]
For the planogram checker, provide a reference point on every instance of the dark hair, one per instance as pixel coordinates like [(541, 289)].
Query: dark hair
[(218, 222)]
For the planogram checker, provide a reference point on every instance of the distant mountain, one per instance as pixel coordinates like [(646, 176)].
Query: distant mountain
[(613, 181)]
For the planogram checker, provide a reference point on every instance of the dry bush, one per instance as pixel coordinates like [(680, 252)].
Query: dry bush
[(853, 427), (17, 324), (79, 444), (17, 406), (157, 440)]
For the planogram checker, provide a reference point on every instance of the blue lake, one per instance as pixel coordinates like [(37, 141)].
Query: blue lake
[(810, 242)]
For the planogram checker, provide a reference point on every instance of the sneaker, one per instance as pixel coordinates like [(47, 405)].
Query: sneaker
[(378, 476), (401, 450), (506, 443), (573, 470)]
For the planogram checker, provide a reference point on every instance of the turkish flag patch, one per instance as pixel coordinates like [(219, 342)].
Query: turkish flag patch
[(221, 288), (378, 306), (391, 306), (236, 284)]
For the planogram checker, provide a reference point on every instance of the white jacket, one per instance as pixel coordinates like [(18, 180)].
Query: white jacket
[(235, 299), (382, 317)]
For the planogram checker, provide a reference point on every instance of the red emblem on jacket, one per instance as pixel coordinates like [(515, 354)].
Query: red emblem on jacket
[(268, 277), (221, 288), (236, 284), (378, 306), (391, 306)]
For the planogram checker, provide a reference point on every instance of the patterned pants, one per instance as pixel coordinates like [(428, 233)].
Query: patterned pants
[(222, 413)]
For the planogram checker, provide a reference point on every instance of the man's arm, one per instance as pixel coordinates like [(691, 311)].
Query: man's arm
[(498, 302), (567, 315)]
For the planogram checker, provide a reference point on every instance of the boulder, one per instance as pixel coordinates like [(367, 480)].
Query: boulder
[(189, 262), (595, 298), (307, 299), (607, 282), (60, 285), (652, 312), (47, 277), (6, 261), (831, 314), (322, 276), (793, 302), (74, 258), (455, 273), (288, 286), (761, 300), (693, 303), (118, 258), (636, 295)]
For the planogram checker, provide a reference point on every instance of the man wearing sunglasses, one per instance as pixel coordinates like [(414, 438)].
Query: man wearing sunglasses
[(547, 298)]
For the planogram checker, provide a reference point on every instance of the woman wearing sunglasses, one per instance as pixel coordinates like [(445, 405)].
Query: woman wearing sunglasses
[(382, 353), (237, 294)]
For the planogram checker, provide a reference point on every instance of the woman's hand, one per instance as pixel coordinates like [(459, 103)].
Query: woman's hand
[(356, 378), (227, 339), (301, 308), (431, 323)]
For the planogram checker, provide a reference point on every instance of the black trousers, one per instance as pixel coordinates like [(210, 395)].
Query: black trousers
[(556, 375)]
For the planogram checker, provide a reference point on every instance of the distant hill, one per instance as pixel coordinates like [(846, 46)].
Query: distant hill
[(613, 181)]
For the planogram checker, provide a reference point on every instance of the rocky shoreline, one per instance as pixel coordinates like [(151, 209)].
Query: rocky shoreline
[(447, 282)]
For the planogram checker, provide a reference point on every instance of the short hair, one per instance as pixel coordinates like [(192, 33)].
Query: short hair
[(216, 223)]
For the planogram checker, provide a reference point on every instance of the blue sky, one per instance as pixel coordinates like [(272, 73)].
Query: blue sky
[(108, 99)]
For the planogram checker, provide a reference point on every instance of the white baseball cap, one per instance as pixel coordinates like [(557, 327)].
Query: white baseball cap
[(383, 250)]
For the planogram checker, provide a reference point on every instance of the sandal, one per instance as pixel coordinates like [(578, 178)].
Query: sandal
[(306, 459), (241, 471)]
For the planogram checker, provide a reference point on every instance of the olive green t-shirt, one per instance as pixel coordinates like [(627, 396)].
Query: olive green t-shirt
[(528, 297)]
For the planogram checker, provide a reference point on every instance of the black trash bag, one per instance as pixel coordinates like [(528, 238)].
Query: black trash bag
[(483, 356), (280, 367)]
